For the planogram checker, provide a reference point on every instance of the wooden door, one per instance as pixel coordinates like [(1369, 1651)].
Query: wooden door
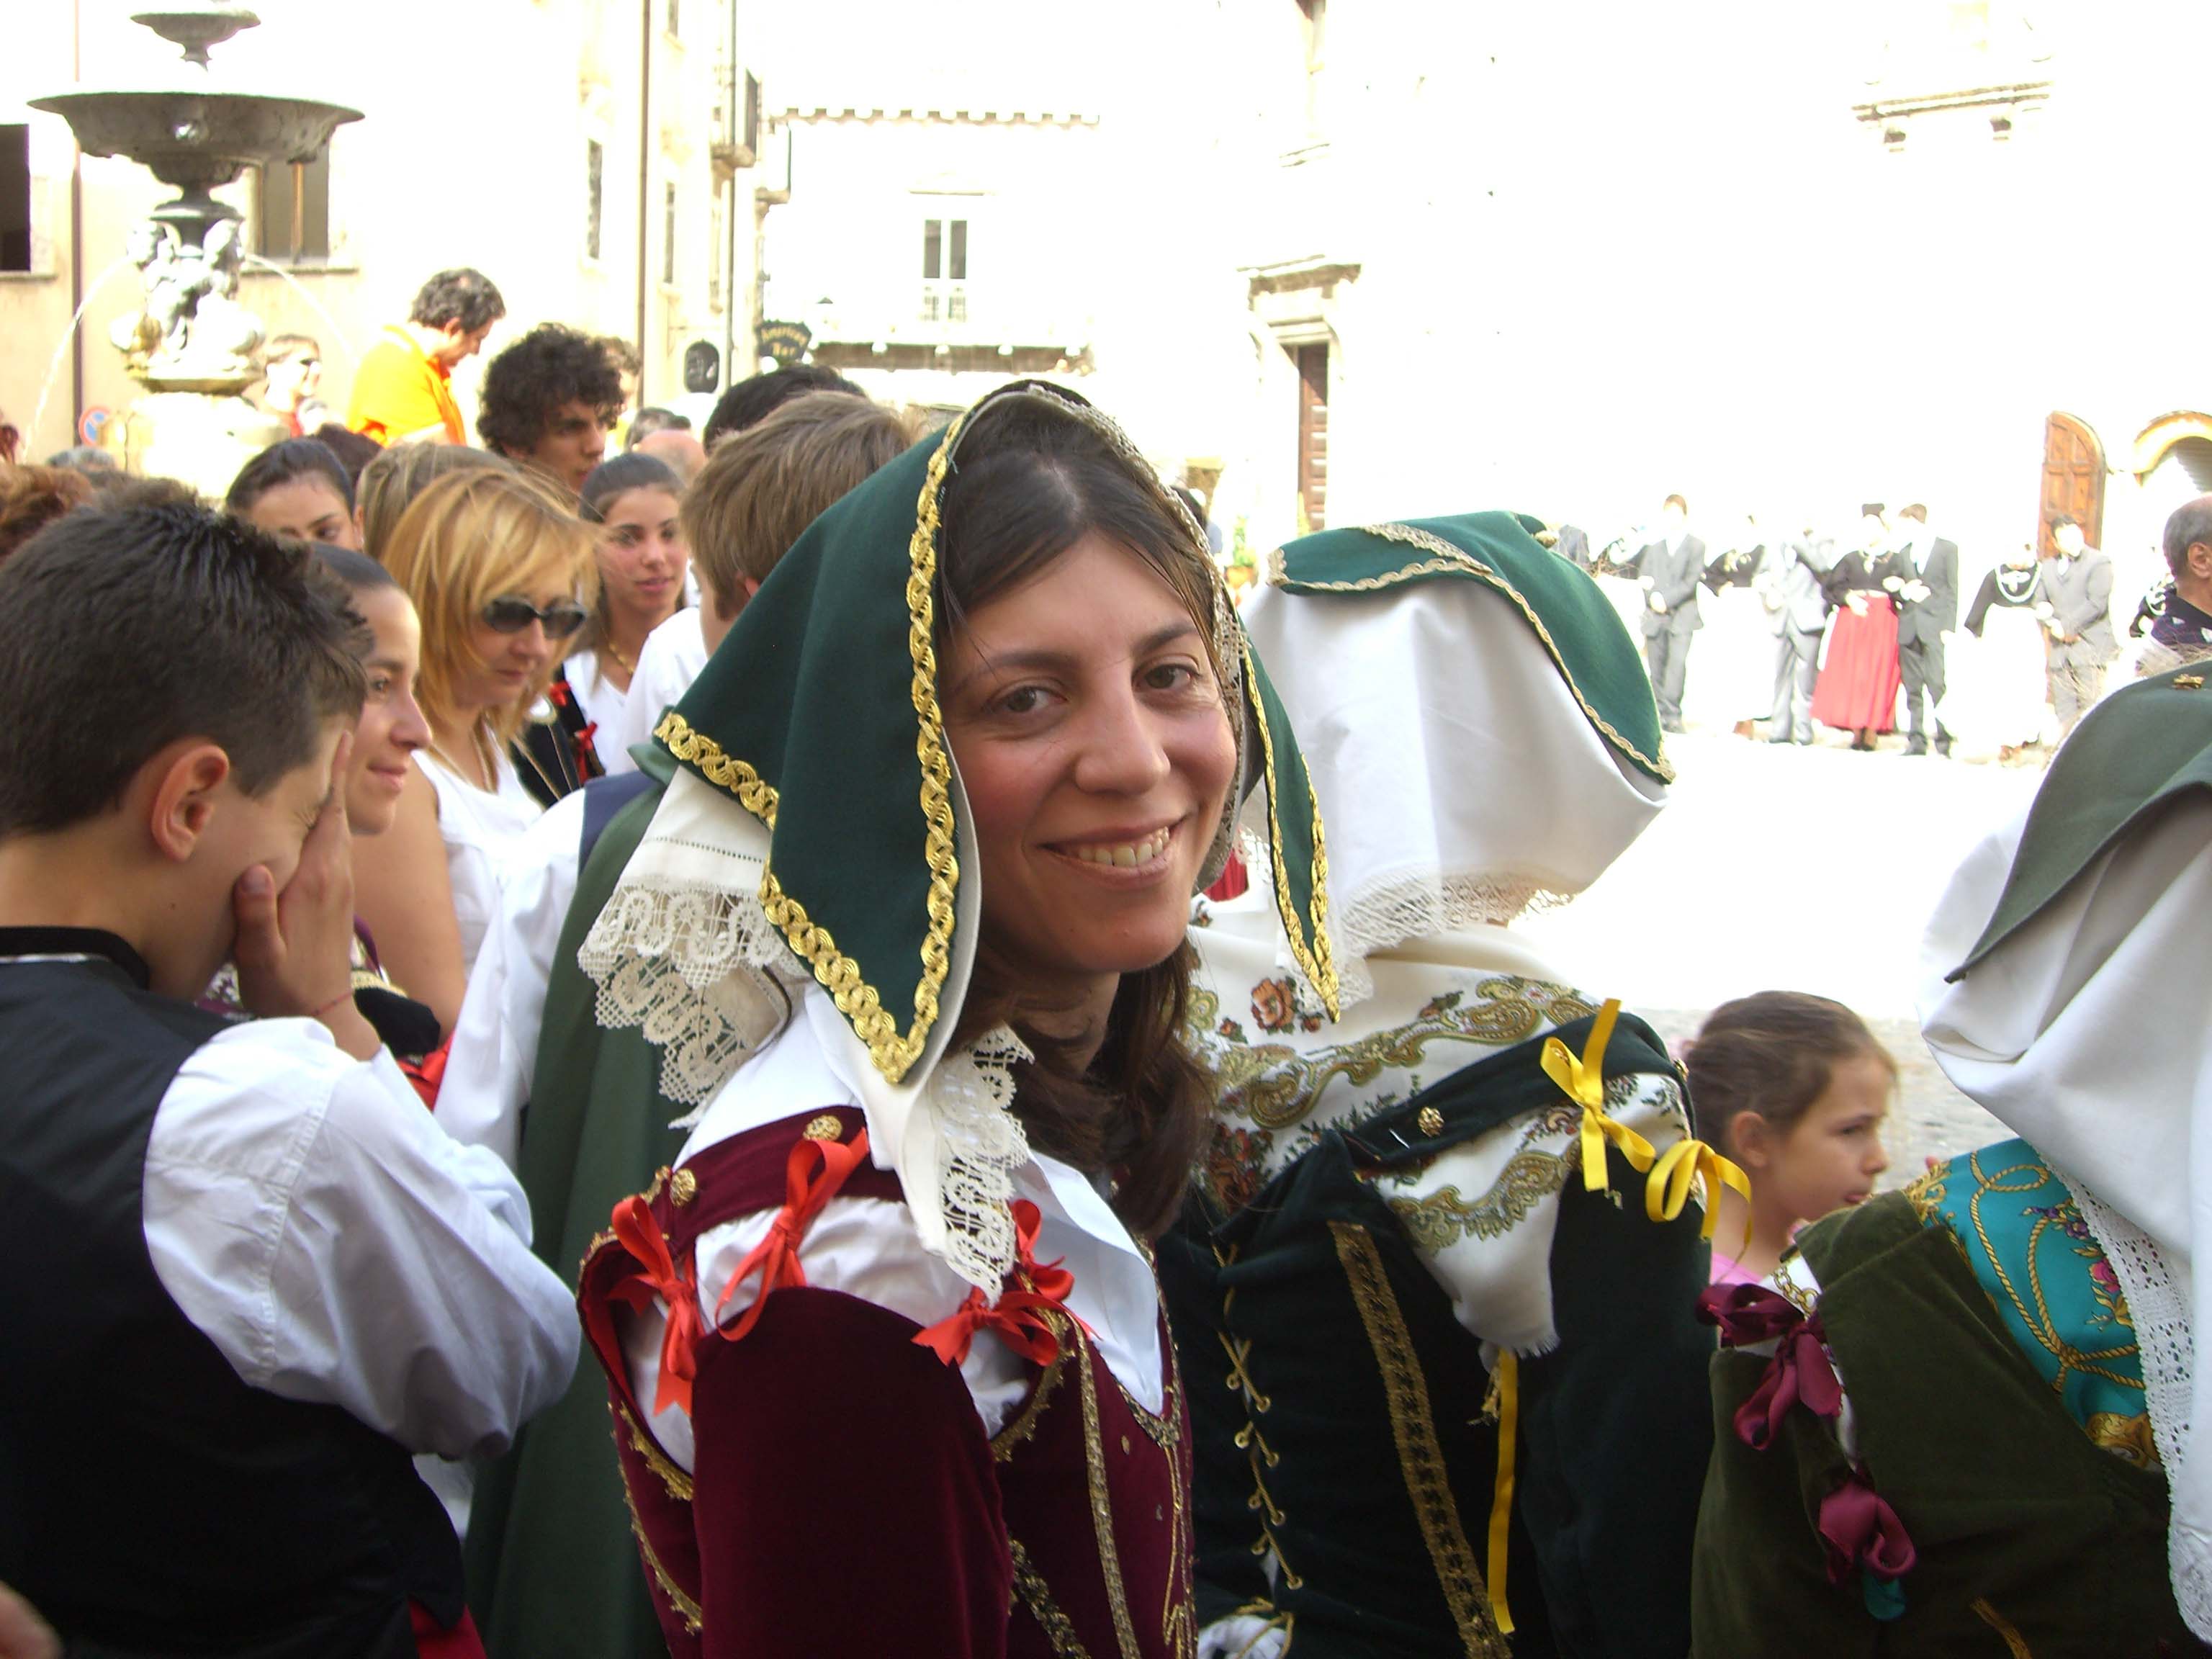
[(2073, 481), (1313, 437)]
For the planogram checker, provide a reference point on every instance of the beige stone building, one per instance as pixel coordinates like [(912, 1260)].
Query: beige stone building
[(597, 158)]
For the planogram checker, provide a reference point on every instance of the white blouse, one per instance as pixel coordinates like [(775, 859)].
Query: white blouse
[(480, 828), (604, 705), (674, 655)]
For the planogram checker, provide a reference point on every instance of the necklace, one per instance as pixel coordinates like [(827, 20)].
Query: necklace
[(621, 661), (486, 758)]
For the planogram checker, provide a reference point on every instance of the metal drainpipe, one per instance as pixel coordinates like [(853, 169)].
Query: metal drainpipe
[(644, 179), (733, 114), (77, 236)]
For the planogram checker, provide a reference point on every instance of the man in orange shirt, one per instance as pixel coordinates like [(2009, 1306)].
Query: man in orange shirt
[(401, 390)]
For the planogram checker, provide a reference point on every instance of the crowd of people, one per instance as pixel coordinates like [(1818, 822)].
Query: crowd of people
[(1863, 634), (817, 1037)]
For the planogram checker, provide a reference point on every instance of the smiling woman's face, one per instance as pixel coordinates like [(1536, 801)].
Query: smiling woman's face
[(392, 726), (1097, 758)]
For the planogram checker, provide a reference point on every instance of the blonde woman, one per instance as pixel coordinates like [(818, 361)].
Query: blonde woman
[(503, 575), (390, 484)]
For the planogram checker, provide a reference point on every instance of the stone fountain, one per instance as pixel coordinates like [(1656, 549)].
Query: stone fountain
[(192, 343)]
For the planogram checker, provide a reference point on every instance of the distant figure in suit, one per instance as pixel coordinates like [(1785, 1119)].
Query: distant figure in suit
[(1792, 581), (1671, 566), (1926, 616), (2079, 581)]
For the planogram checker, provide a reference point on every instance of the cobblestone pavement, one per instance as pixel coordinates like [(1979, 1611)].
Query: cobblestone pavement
[(1798, 869)]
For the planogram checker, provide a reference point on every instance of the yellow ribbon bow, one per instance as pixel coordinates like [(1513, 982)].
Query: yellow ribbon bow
[(1582, 1077), (1685, 1163)]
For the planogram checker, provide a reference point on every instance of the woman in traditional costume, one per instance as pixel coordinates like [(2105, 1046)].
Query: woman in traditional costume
[(1435, 1297), (1859, 677), (1733, 686), (1963, 1418), (886, 1361), (2000, 697)]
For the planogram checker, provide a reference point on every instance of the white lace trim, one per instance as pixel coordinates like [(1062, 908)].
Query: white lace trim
[(2159, 1303), (708, 979), (979, 1146), (697, 967), (1423, 905)]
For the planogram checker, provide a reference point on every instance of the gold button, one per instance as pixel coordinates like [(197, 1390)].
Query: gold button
[(825, 1127), (683, 1187), (1125, 1444), (1430, 1121)]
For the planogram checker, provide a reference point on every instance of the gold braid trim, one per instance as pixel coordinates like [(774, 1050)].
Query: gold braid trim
[(678, 1483), (1317, 963), (840, 976), (1447, 560), (1420, 1458), (686, 1609), (1036, 1595)]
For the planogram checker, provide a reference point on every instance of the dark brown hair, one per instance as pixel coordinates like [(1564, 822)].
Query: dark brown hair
[(1031, 480), (33, 497), (121, 632), (1771, 1053)]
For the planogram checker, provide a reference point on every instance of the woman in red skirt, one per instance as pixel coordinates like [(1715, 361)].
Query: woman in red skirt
[(1858, 686)]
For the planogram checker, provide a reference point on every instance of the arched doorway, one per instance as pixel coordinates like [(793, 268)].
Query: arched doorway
[(2073, 480)]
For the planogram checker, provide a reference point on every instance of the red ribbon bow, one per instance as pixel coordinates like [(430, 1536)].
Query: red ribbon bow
[(1017, 1316), (811, 1177), (638, 1233), (1862, 1530), (1801, 1372)]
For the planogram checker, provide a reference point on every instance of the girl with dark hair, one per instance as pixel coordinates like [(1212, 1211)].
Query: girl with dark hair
[(1794, 1088), (907, 925), (296, 488), (643, 565)]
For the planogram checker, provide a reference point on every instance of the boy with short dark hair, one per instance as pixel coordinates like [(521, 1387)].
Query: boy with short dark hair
[(250, 1276)]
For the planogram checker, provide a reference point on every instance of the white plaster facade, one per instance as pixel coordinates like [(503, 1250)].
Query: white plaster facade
[(1606, 251), (473, 151)]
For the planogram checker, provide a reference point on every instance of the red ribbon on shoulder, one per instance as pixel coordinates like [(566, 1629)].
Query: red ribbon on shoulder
[(1016, 1318), (640, 1234), (812, 1176)]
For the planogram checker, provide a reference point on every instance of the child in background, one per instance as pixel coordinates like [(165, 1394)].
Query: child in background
[(1794, 1088)]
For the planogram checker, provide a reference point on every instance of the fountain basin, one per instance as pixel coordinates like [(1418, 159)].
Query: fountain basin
[(196, 140)]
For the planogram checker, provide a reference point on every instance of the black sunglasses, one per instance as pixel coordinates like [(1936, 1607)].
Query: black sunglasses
[(511, 614)]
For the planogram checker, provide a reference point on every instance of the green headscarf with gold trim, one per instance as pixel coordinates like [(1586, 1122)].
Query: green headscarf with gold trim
[(2137, 753), (819, 716), (1579, 629)]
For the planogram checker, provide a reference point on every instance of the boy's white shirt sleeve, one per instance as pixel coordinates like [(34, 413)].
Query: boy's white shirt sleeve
[(493, 1059), (316, 1224)]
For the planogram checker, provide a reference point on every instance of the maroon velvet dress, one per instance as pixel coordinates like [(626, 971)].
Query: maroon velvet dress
[(844, 1497)]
